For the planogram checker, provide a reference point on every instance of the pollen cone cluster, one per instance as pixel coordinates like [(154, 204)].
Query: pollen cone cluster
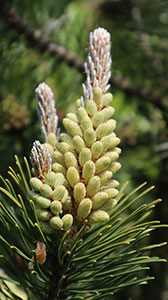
[(74, 179), (48, 192), (86, 154)]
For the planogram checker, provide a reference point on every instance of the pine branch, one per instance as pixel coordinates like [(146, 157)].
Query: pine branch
[(87, 245), (37, 38), (145, 40)]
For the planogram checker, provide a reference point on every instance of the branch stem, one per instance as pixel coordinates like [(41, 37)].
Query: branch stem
[(38, 40)]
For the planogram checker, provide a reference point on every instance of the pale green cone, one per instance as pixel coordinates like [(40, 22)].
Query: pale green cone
[(111, 126), (72, 127), (45, 190), (107, 98), (113, 183), (98, 216), (89, 137), (109, 141), (73, 176), (64, 147), (39, 200), (72, 117), (35, 184), (114, 142), (97, 96), (58, 168), (99, 199), (86, 123), (112, 155), (65, 197), (88, 170), (79, 192), (58, 157), (97, 119), (102, 164), (84, 208), (116, 149), (84, 156), (105, 177), (42, 202), (56, 207), (54, 179), (67, 221), (109, 204), (52, 139), (70, 160), (115, 167), (111, 192), (81, 113), (59, 193), (78, 104), (78, 143), (66, 138), (43, 214), (91, 107), (107, 113), (59, 179), (56, 223), (101, 131), (93, 185), (96, 150)]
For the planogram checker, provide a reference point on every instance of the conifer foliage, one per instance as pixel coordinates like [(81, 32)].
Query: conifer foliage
[(65, 228)]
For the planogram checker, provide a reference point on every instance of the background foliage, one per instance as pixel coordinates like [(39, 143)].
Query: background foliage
[(139, 48)]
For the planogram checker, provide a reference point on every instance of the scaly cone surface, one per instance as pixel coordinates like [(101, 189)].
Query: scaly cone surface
[(47, 113), (80, 186)]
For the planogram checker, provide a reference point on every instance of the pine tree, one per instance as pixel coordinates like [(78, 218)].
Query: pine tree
[(66, 228)]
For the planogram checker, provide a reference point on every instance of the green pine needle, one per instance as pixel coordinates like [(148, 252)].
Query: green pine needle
[(97, 263)]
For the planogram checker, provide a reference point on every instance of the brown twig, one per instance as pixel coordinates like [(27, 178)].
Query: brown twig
[(37, 38)]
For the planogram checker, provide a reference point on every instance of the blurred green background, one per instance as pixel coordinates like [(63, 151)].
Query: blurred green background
[(139, 33)]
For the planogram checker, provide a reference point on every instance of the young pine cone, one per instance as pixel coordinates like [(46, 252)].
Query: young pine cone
[(74, 177), (86, 155)]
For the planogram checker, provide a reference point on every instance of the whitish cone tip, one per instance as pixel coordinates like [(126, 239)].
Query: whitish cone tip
[(40, 159), (97, 67), (46, 110), (44, 91)]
